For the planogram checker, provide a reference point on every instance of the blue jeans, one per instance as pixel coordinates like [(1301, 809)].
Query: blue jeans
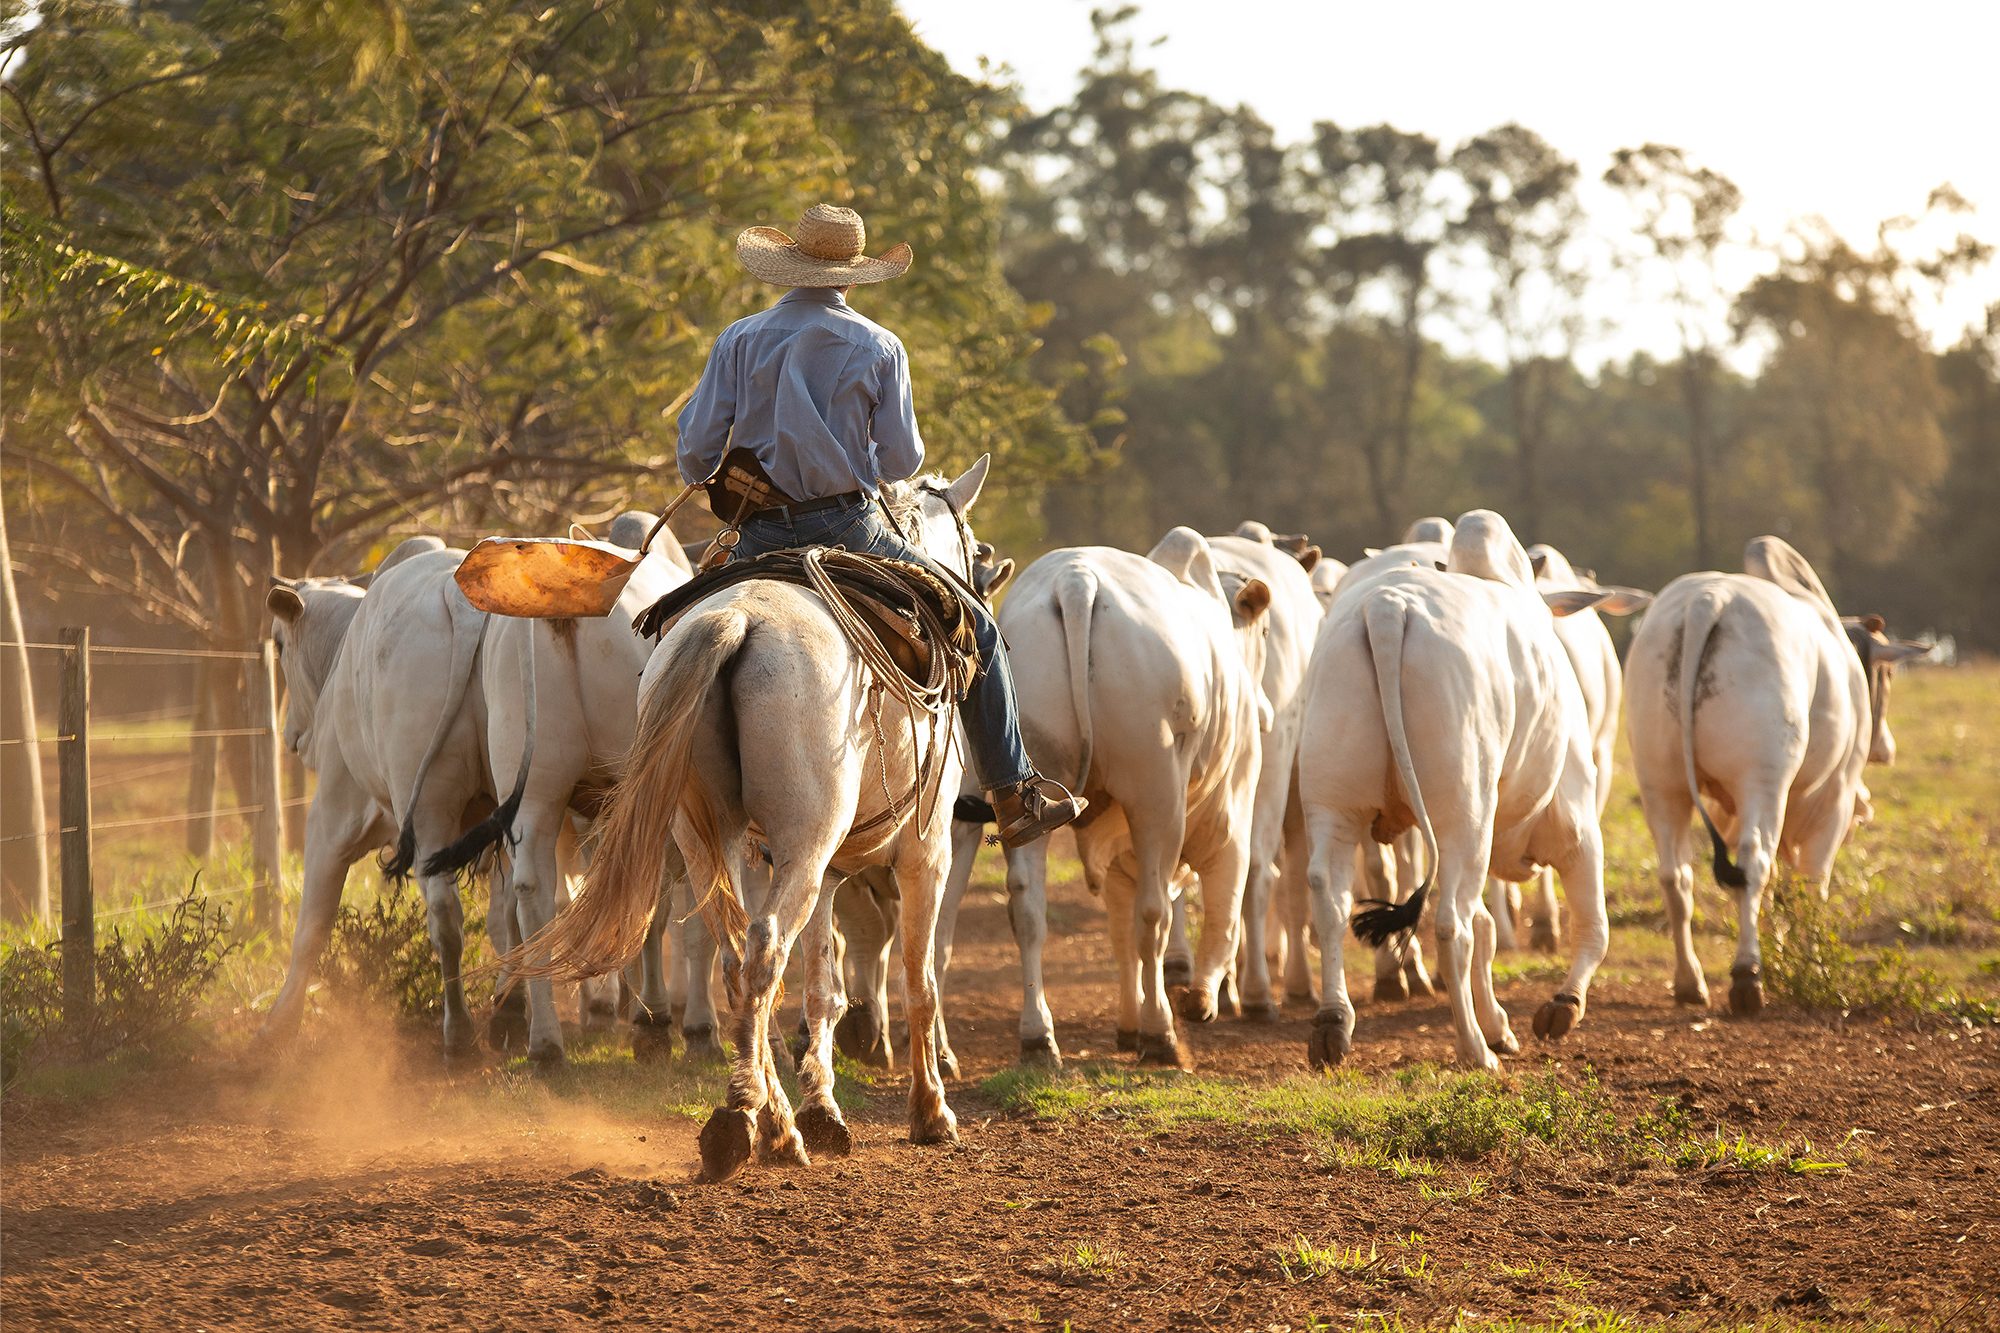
[(991, 717)]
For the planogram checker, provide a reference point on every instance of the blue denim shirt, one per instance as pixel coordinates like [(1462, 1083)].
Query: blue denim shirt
[(819, 393)]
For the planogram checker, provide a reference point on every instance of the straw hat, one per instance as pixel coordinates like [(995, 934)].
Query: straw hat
[(826, 254)]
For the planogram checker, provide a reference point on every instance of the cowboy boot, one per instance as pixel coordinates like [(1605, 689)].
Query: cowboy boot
[(1034, 809)]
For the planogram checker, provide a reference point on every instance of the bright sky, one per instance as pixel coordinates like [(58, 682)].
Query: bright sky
[(1847, 109)]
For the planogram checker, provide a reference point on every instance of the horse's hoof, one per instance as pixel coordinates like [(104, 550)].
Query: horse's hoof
[(860, 1038), (652, 1039), (941, 1126), (1195, 1005), (507, 1029), (1227, 1005), (1330, 1040), (1159, 1049), (1505, 1044), (1392, 989), (824, 1132), (1696, 995), (725, 1144), (701, 1046), (1746, 991), (1177, 972), (783, 1148), (1260, 1013), (1557, 1016), (1128, 1040), (1041, 1052), (1543, 938)]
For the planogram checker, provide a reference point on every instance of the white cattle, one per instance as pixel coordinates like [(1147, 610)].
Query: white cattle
[(1444, 702), (411, 707), (1326, 576), (1139, 678), (1588, 645), (1748, 689)]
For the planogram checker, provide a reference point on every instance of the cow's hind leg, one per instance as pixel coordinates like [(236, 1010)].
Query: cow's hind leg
[(1028, 916), (1177, 965), (1493, 1024), (865, 902), (335, 839), (1756, 852), (1334, 842), (1545, 925), (533, 879), (507, 1026), (1582, 870), (965, 836), (1461, 876), (652, 1004)]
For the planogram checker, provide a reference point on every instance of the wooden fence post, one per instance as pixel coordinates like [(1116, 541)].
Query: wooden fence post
[(79, 904), (268, 833)]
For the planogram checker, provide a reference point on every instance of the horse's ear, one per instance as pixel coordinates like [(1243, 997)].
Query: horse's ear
[(970, 482)]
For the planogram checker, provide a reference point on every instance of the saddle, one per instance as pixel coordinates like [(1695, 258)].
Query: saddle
[(914, 615)]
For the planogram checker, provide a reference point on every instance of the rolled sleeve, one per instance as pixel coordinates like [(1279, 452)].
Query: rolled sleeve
[(706, 420), (899, 449)]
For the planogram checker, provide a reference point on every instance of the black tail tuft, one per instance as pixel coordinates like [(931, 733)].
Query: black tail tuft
[(1386, 920), (397, 865), (972, 810), (1727, 873), (488, 832)]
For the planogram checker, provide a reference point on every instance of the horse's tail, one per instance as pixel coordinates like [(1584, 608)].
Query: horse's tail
[(605, 924), (1387, 622), (1076, 596), (1696, 627), (468, 630)]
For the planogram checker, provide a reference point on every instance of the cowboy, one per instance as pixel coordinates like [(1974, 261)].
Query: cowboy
[(821, 395)]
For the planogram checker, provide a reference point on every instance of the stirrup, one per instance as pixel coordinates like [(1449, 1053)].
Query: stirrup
[(1033, 810)]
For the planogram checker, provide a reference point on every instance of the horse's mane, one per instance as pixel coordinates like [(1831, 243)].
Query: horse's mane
[(905, 499)]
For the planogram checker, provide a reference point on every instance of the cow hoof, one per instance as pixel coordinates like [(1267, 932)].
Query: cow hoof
[(1159, 1049), (860, 1038), (507, 1029), (1330, 1040), (1041, 1052), (947, 1063), (545, 1056), (1556, 1017), (1227, 1003), (824, 1132), (1696, 995), (941, 1126), (1301, 997), (652, 1039), (1177, 972), (1392, 989), (1505, 1044), (1746, 991), (1196, 1006), (1128, 1040), (1260, 1013), (702, 1047), (1418, 980), (1543, 938), (725, 1144)]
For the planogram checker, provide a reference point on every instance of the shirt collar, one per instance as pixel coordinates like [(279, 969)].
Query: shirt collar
[(815, 295)]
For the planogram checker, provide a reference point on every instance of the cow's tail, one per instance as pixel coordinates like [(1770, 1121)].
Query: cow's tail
[(498, 826), (468, 629), (1696, 626), (606, 923), (1076, 597), (1387, 620)]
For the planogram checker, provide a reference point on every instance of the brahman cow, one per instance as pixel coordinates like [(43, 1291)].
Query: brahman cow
[(1442, 700), (1140, 683), (1749, 690)]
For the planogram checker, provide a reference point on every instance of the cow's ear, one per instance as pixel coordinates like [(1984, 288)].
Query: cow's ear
[(1623, 601), (1569, 601), (1309, 557), (1253, 599), (284, 602), (1896, 650), (1874, 624), (997, 578), (1539, 561), (970, 482), (1368, 551)]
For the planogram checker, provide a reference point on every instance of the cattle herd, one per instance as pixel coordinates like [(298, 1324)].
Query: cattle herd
[(1309, 747)]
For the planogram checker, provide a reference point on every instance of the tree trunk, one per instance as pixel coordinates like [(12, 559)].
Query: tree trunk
[(24, 856), (1694, 393), (202, 751)]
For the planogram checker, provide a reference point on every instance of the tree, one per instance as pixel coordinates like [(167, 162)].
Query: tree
[(1523, 221), (1683, 215), (24, 855)]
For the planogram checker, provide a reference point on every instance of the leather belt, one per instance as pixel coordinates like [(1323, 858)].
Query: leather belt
[(845, 500)]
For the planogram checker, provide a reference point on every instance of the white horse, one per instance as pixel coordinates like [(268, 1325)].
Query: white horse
[(759, 720)]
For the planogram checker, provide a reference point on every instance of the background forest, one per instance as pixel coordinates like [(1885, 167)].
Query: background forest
[(285, 282)]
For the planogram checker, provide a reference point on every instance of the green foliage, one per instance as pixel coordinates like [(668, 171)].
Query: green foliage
[(1809, 962), (152, 980), (380, 956)]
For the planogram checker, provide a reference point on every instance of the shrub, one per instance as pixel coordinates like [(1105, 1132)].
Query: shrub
[(1809, 962), (381, 955)]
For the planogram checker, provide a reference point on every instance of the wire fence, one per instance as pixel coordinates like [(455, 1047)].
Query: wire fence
[(139, 755)]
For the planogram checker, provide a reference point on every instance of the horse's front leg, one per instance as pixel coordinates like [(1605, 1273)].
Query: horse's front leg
[(921, 868)]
